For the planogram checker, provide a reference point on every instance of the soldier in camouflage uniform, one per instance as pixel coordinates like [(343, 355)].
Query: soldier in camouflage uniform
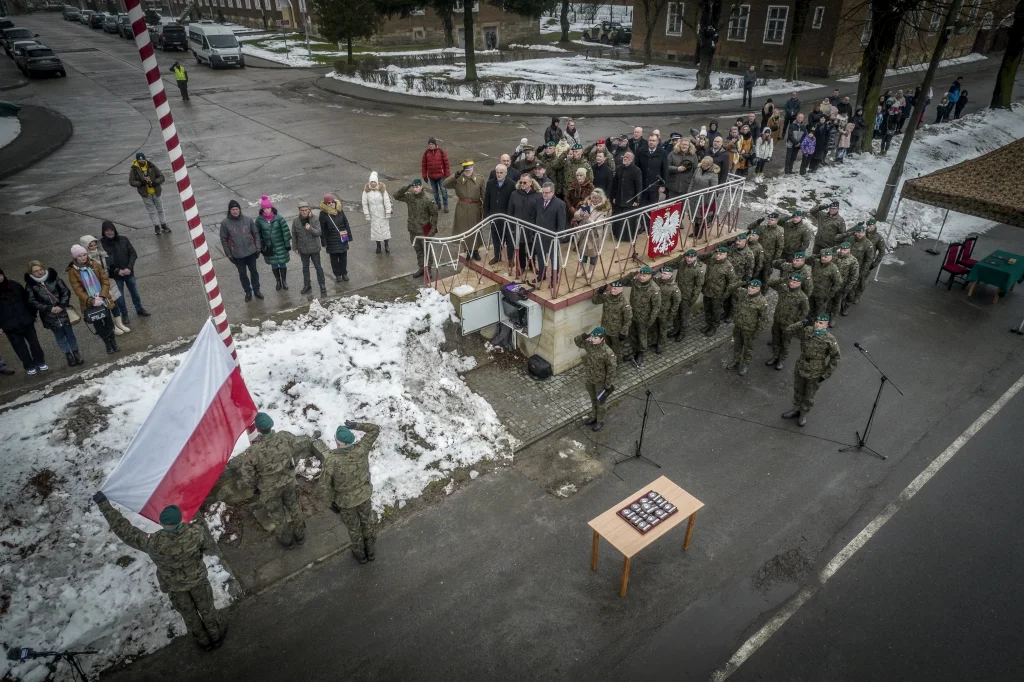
[(771, 241), (792, 307), (590, 154), (849, 270), (268, 465), (796, 235), (616, 317), (720, 282), (422, 220), (878, 241), (827, 282), (742, 259), (671, 298), (546, 159), (819, 358), (565, 167), (799, 266), (688, 274), (345, 483), (645, 299), (830, 225), (598, 372), (751, 317), (863, 252), (177, 550), (754, 244)]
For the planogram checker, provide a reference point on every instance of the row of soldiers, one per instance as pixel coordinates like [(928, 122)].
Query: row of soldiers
[(268, 467)]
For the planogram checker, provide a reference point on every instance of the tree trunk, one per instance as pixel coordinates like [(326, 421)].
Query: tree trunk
[(1007, 76), (467, 23), (565, 22), (648, 41), (948, 26), (885, 24), (449, 26), (800, 11), (707, 40), (348, 48)]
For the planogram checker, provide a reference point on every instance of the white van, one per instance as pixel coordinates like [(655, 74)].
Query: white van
[(214, 44)]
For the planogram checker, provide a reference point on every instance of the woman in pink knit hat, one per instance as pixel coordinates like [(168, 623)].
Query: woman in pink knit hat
[(276, 239)]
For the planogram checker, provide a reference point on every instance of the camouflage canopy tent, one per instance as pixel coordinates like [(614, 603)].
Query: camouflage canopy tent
[(987, 187)]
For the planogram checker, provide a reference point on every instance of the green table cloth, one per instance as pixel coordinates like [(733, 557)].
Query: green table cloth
[(995, 269)]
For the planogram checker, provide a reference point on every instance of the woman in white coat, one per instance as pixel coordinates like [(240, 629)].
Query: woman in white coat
[(377, 211)]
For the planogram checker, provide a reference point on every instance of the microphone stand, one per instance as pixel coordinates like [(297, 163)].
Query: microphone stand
[(638, 452), (862, 439)]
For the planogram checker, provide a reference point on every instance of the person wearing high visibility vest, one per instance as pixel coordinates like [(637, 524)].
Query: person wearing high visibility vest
[(181, 76)]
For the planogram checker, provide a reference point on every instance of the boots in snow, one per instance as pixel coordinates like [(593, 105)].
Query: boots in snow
[(118, 324), (78, 357), (164, 228), (284, 278), (387, 246), (277, 280), (71, 359), (378, 247)]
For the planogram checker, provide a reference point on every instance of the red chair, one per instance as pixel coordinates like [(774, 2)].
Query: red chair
[(966, 252), (950, 265)]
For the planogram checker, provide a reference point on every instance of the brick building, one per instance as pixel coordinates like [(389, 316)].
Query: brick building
[(287, 13), (493, 28), (758, 32)]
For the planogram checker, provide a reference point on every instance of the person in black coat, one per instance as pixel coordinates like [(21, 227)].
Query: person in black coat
[(51, 298), (18, 323), (121, 268), (523, 205), (552, 216), (604, 176), (553, 133), (626, 194), (496, 195), (859, 126), (335, 235), (720, 155), (653, 164)]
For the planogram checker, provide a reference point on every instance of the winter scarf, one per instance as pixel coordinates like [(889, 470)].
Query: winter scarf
[(89, 280)]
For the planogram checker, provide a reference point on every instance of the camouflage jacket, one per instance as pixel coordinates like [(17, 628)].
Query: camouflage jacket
[(598, 362), (829, 227), (864, 253), (346, 477), (759, 261), (671, 298), (771, 241), (795, 238), (786, 269), (849, 270), (720, 280), (422, 210), (590, 154), (792, 305), (688, 281), (819, 355), (742, 262), (617, 315), (645, 299), (269, 463), (827, 280), (564, 169), (550, 172), (878, 241), (178, 555), (751, 315)]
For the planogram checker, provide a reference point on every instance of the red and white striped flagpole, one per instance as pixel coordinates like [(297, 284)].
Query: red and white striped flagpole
[(188, 201)]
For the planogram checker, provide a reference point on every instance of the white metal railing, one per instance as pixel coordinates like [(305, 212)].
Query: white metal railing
[(705, 217)]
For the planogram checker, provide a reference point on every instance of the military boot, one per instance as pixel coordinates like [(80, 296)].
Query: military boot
[(370, 555), (597, 426), (772, 361), (590, 421), (733, 364), (679, 336), (656, 348), (802, 421), (791, 414), (780, 364), (638, 359), (743, 369), (359, 554)]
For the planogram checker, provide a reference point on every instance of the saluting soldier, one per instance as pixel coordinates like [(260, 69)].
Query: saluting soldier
[(849, 270), (742, 259), (750, 318), (670, 301), (688, 276), (792, 307), (819, 358), (827, 282), (469, 188), (599, 373), (754, 244), (796, 235), (422, 220), (772, 238), (830, 225), (719, 283), (177, 550), (345, 483), (797, 265), (616, 317), (645, 299), (864, 253)]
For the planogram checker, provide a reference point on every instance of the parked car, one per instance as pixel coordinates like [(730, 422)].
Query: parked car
[(96, 20), (71, 13), (5, 23), (41, 60), (214, 44), (169, 37), (609, 33), (124, 27), (84, 15), (13, 35), (110, 23), (19, 46)]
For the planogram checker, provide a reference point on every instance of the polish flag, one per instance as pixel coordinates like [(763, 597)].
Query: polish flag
[(186, 441)]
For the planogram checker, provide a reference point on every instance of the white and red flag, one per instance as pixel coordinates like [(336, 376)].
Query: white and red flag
[(184, 444), (664, 235)]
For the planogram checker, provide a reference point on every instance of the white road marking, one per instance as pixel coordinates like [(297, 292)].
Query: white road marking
[(792, 606)]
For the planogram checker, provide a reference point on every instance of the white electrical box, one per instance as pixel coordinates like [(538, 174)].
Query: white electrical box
[(480, 312), (532, 317)]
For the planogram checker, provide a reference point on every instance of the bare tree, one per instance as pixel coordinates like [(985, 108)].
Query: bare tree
[(564, 18), (801, 9), (1003, 92), (652, 17), (709, 28)]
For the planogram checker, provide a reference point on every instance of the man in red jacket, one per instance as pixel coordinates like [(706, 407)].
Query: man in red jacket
[(435, 169)]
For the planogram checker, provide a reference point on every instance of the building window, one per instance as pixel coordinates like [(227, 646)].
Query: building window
[(419, 34), (775, 24), (674, 19), (986, 23), (248, 4), (935, 21), (819, 16), (460, 6), (259, 4), (865, 35), (974, 10), (738, 19), (418, 12)]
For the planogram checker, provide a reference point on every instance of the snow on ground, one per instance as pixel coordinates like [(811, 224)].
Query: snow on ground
[(543, 47), (859, 182), (966, 59), (10, 128), (617, 82), (298, 57), (619, 13), (67, 582)]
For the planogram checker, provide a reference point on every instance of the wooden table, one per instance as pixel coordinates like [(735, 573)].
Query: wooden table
[(623, 537)]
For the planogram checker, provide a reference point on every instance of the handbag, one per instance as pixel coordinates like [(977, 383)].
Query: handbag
[(96, 314), (73, 315), (342, 234)]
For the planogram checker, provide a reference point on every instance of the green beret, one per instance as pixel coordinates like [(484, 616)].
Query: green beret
[(846, 245), (754, 283), (550, 143), (859, 227), (797, 213), (796, 277), (742, 235), (826, 252), (577, 146), (722, 249), (690, 252), (417, 182), (264, 422), (170, 516), (822, 317), (646, 270), (667, 268), (834, 203), (871, 221), (344, 435), (597, 331), (774, 215), (618, 284), (755, 231), (799, 254)]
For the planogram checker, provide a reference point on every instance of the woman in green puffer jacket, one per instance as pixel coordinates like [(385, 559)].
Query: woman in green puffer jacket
[(274, 232)]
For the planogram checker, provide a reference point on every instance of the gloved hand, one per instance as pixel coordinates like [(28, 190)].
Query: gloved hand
[(603, 288), (350, 424), (622, 336), (99, 497), (317, 433), (585, 335), (761, 220)]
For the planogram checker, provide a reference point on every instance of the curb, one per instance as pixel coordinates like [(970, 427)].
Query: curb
[(19, 84), (274, 66), (43, 132)]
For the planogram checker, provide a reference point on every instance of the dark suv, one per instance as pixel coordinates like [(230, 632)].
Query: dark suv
[(124, 27), (40, 60), (169, 37), (96, 20)]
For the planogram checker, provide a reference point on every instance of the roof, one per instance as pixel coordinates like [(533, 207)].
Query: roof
[(988, 186)]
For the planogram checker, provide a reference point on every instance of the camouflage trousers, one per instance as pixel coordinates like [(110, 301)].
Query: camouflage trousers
[(780, 341), (197, 610), (359, 524), (597, 410), (283, 507), (713, 310), (682, 315), (804, 389), (640, 334), (660, 330), (840, 302), (620, 348), (858, 288), (417, 246), (819, 305), (743, 345)]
